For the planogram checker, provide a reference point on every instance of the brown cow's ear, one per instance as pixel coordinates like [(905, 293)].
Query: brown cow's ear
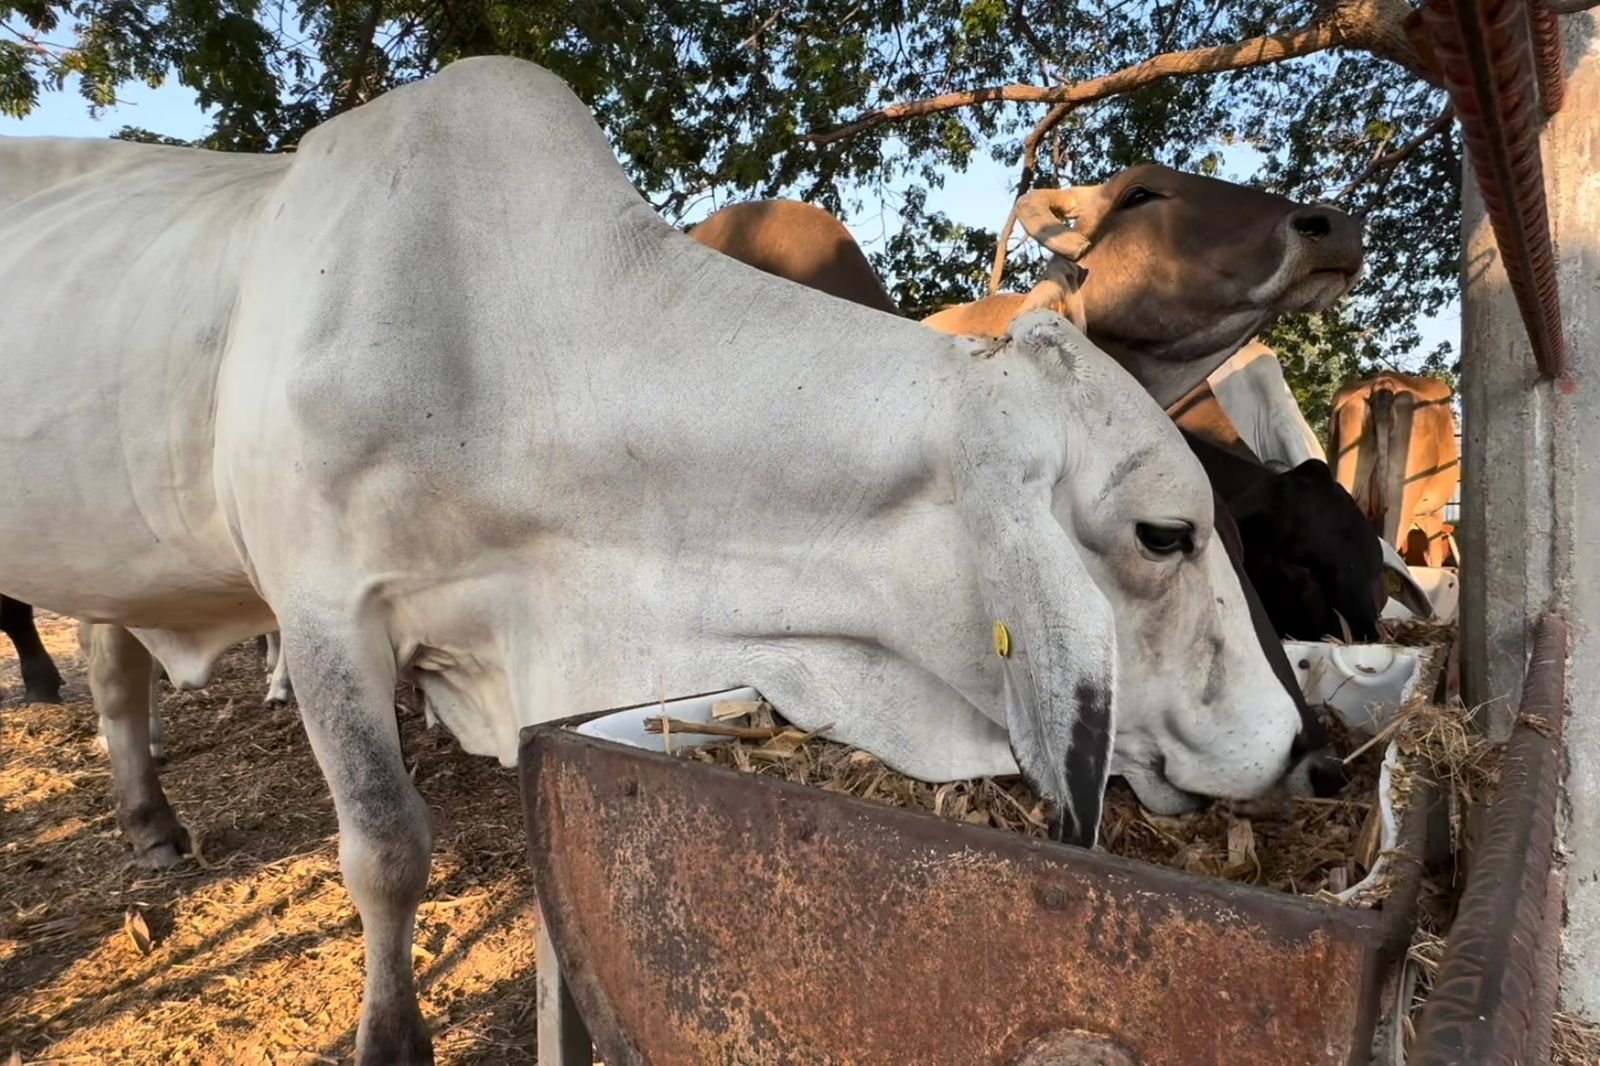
[(1042, 212)]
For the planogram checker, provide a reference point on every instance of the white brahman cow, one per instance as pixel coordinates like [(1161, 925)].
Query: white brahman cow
[(381, 394)]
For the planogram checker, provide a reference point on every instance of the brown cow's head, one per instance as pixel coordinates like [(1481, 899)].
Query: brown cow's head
[(1183, 269)]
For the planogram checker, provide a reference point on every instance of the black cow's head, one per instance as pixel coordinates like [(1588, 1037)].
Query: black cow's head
[(1311, 555)]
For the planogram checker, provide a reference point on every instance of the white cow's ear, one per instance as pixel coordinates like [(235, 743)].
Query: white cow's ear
[(1053, 632), (1046, 338)]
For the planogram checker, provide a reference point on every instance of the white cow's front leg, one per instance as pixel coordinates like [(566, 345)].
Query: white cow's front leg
[(122, 681), (346, 690)]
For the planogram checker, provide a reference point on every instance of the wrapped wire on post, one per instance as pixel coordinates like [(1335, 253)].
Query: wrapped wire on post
[(1486, 56)]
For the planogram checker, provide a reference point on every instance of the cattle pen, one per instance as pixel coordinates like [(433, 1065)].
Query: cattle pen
[(604, 901)]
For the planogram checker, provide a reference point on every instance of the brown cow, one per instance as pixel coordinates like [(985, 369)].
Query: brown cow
[(1060, 290), (797, 241), (1394, 448), (1200, 412), (1170, 273), (1181, 270), (807, 245)]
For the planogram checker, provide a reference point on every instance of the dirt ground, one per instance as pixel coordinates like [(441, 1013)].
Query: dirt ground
[(255, 953)]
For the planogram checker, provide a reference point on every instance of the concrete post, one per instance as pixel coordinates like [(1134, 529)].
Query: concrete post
[(1530, 535)]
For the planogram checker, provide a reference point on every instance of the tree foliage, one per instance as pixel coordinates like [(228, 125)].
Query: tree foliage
[(704, 99)]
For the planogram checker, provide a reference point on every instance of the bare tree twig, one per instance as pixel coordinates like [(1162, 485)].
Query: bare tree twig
[(1172, 25), (1381, 163), (751, 41), (1030, 167), (1258, 51), (1030, 147), (1019, 20), (1000, 251), (35, 42)]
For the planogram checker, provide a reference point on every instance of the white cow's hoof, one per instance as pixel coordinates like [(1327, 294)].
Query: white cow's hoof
[(159, 840), (397, 1036)]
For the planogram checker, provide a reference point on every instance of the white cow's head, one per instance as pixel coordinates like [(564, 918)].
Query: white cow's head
[(1199, 711)]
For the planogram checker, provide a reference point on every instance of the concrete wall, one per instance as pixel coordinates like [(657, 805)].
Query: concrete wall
[(1530, 534)]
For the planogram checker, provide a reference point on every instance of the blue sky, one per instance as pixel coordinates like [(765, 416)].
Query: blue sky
[(981, 196)]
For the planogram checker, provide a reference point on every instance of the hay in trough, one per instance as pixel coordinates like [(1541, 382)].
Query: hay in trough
[(1301, 845), (1417, 632), (1309, 846), (1574, 1042)]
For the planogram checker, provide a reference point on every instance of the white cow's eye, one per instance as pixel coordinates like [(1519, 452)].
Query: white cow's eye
[(1166, 539)]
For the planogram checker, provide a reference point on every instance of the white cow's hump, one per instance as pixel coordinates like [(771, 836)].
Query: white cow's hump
[(478, 114)]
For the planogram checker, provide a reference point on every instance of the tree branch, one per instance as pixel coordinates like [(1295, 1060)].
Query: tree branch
[(358, 65), (1030, 168), (1375, 26), (750, 42), (1440, 125), (1019, 22), (39, 46), (1256, 52)]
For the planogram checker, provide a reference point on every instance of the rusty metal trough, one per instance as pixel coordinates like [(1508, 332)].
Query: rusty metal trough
[(699, 915)]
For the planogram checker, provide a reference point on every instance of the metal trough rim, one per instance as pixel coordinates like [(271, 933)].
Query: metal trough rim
[(1494, 995)]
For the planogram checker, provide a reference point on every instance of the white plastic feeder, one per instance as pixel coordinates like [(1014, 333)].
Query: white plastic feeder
[(1443, 588), (1365, 684), (626, 726)]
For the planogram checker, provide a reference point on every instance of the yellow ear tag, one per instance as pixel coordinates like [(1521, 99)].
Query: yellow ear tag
[(1002, 640)]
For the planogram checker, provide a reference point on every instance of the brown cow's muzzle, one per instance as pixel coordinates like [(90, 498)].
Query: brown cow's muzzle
[(1326, 250)]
